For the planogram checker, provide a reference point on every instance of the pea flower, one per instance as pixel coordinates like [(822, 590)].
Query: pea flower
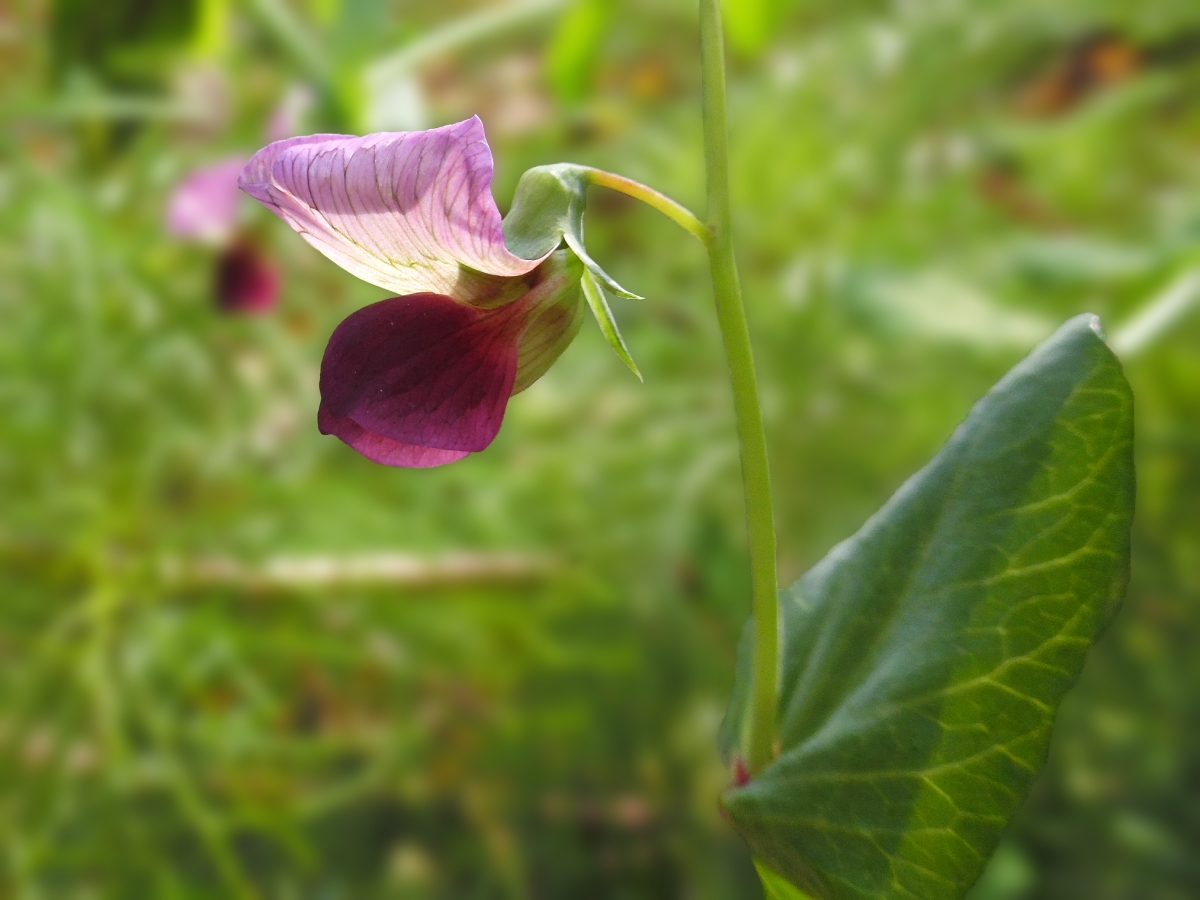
[(203, 209), (424, 378)]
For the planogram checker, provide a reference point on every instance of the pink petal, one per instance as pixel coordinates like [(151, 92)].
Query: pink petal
[(204, 205), (384, 450), (424, 370), (406, 211)]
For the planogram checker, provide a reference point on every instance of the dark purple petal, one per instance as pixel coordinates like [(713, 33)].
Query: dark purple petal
[(381, 449), (204, 204), (246, 280), (403, 210), (424, 370)]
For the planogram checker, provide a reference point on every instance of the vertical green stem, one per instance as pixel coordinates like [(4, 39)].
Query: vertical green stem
[(731, 314)]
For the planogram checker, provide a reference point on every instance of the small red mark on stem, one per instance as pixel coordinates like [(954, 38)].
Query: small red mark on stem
[(741, 775)]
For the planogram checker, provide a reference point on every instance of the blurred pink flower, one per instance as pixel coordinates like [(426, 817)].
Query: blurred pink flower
[(424, 378), (203, 206)]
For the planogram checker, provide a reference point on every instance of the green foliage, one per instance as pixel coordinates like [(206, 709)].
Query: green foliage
[(750, 24), (924, 659), (125, 41), (573, 54), (172, 711), (775, 887)]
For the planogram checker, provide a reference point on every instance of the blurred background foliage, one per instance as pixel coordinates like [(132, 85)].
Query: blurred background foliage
[(237, 660)]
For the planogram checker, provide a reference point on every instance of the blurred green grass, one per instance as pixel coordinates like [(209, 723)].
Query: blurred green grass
[(922, 190)]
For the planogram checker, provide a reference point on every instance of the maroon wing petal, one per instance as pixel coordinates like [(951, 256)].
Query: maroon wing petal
[(424, 370)]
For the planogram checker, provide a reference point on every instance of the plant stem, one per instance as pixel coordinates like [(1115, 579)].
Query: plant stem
[(731, 314), (1158, 316)]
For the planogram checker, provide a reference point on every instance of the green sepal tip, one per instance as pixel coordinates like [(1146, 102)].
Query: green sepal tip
[(594, 294)]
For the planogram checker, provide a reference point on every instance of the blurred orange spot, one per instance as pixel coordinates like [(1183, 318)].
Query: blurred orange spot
[(1090, 65), (649, 80)]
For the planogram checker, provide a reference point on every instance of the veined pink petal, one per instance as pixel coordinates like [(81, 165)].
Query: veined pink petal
[(406, 211), (424, 370), (204, 204)]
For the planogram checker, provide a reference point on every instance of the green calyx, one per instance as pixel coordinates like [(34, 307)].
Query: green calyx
[(555, 314), (548, 210)]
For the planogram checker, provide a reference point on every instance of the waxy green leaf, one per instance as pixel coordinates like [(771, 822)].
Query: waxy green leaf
[(775, 887), (925, 657)]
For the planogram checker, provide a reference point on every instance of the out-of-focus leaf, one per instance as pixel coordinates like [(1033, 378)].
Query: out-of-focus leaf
[(936, 306), (386, 91), (925, 657), (294, 36), (1074, 259), (574, 51), (120, 39), (1009, 875), (749, 24), (211, 38), (361, 30)]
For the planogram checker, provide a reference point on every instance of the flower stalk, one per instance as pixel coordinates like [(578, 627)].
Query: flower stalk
[(731, 315), (677, 213)]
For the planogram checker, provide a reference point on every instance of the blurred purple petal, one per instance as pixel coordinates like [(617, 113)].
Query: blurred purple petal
[(246, 280), (424, 370), (411, 212), (204, 205)]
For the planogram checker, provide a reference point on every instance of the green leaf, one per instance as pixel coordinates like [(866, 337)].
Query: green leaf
[(775, 887), (750, 24), (608, 325), (574, 51), (547, 210), (924, 658)]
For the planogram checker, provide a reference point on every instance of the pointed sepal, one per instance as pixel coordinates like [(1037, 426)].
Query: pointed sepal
[(594, 294)]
